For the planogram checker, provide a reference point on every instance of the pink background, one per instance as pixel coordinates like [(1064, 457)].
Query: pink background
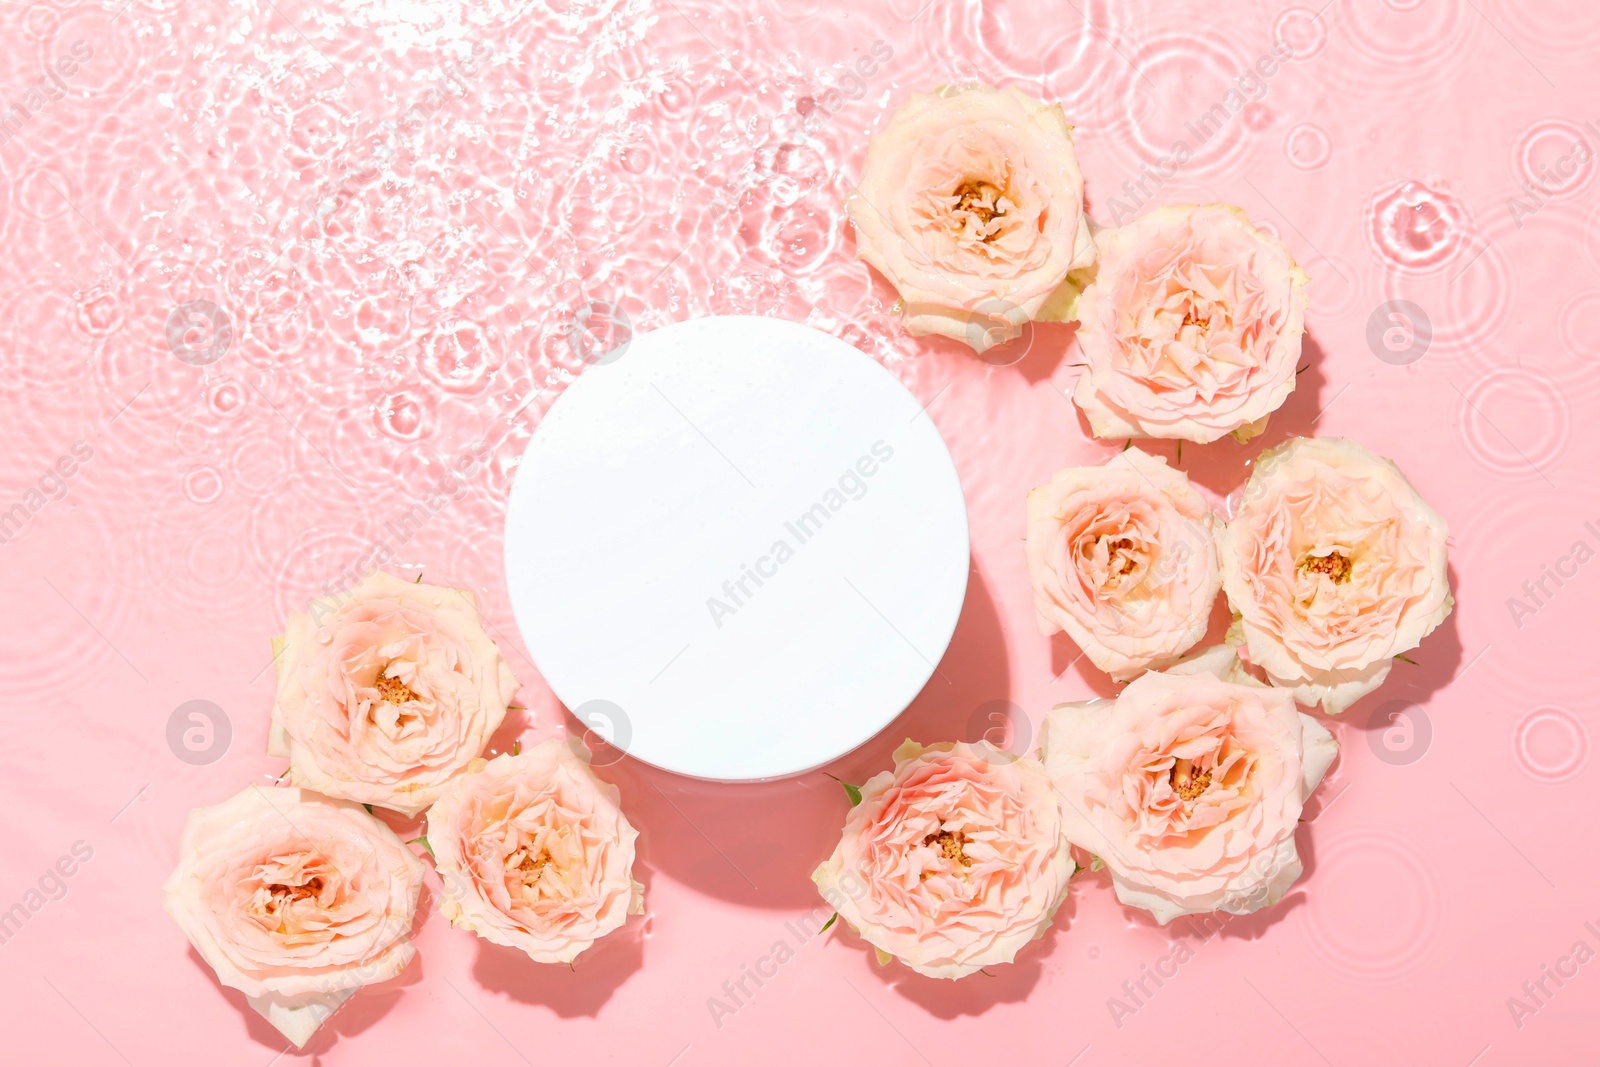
[(594, 155)]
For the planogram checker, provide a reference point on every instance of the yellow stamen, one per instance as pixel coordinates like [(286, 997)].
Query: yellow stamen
[(394, 690), (1336, 565), (982, 200), (950, 844), (1186, 783)]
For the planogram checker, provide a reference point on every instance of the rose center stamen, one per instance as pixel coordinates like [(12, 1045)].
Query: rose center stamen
[(949, 844), (981, 200), (394, 690), (531, 866), (282, 893), (1336, 565), (1186, 782), (1123, 546)]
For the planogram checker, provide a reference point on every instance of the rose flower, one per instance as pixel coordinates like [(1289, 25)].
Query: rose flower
[(1189, 786), (1335, 566), (387, 692), (295, 899), (1191, 327), (535, 853), (971, 204), (952, 861), (1122, 557)]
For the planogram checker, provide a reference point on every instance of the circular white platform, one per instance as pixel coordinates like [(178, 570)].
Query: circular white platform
[(738, 549)]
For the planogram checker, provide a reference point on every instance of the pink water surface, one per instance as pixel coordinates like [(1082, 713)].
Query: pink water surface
[(398, 208)]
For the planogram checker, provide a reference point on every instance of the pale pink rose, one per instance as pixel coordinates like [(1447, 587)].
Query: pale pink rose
[(952, 861), (971, 204), (294, 899), (386, 692), (1122, 557), (535, 852), (1188, 786), (1334, 566), (1191, 327)]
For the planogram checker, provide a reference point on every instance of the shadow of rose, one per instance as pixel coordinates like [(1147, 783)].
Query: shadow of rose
[(579, 990), (1034, 353), (1203, 927), (1067, 660), (757, 843), (1065, 655), (1221, 466), (1438, 659), (1224, 465), (355, 1016), (1005, 983)]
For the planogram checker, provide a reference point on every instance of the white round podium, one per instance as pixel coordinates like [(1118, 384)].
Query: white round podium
[(737, 549)]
